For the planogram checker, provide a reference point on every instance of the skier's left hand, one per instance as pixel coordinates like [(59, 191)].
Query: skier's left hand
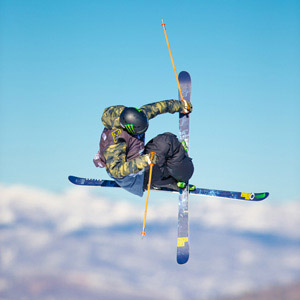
[(187, 107)]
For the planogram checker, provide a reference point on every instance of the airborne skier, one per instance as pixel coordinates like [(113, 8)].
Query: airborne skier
[(126, 157)]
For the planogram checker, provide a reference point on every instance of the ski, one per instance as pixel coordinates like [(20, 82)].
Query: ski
[(183, 204), (197, 192)]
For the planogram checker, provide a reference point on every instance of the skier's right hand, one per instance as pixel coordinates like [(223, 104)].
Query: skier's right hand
[(187, 107), (152, 158)]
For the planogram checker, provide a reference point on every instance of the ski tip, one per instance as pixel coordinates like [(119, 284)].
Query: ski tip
[(71, 178), (182, 259), (75, 180), (261, 196), (184, 75)]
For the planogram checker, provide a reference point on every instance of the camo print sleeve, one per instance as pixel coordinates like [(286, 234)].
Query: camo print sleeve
[(117, 165), (167, 106), (111, 116)]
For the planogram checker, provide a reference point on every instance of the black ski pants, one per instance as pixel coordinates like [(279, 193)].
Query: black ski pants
[(173, 163)]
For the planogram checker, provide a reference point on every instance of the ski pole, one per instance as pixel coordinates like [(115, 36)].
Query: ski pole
[(143, 233), (165, 32)]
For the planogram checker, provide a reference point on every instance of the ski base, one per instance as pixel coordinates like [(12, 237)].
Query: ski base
[(197, 191), (183, 248)]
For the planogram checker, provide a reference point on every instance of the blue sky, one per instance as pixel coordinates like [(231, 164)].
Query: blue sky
[(63, 62)]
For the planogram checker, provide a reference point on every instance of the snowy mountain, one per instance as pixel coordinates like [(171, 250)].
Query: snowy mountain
[(80, 245), (288, 292)]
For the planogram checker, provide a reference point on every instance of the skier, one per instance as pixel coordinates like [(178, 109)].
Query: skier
[(126, 158)]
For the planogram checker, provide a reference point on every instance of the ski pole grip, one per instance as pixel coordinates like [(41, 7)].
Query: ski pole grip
[(151, 158)]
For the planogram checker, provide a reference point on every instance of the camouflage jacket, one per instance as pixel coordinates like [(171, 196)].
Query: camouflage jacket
[(115, 155)]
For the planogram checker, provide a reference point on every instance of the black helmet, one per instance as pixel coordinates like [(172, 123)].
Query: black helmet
[(134, 120)]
